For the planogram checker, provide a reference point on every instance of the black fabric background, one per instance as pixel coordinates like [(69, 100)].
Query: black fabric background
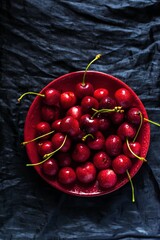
[(41, 40)]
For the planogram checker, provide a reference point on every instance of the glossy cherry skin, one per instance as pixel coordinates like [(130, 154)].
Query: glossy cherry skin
[(86, 173), (63, 159), (107, 178), (84, 90), (49, 114), (75, 112), (70, 126), (97, 142), (117, 118), (43, 128), (104, 123), (100, 93), (121, 164), (52, 97), (107, 103), (135, 147), (50, 167), (123, 97), (126, 130), (67, 99), (89, 102), (89, 124), (81, 152), (66, 176), (101, 160), (113, 145), (44, 147), (133, 116), (58, 139), (56, 125)]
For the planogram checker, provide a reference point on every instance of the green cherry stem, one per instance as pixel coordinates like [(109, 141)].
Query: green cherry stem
[(34, 139), (30, 93), (150, 121), (86, 136), (49, 155), (84, 76), (140, 158), (140, 125), (132, 187), (105, 110)]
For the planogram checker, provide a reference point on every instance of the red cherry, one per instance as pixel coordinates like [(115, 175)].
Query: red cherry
[(70, 125), (63, 159), (107, 103), (89, 102), (45, 147), (82, 90), (52, 97), (67, 99), (43, 128), (66, 176), (133, 116), (135, 147), (58, 139), (86, 173), (113, 145), (49, 113), (101, 160), (104, 123), (100, 93), (75, 112), (121, 164), (56, 125), (50, 167), (97, 142), (81, 152), (89, 124), (123, 97), (117, 118), (107, 178), (126, 130)]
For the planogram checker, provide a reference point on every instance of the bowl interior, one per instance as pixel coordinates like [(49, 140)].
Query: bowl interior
[(68, 82)]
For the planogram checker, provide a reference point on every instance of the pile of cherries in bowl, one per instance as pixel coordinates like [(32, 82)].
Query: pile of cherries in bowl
[(87, 134)]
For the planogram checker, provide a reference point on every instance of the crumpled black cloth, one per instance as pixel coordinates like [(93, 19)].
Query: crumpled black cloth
[(41, 40)]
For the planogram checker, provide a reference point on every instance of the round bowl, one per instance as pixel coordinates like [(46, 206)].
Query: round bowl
[(68, 82)]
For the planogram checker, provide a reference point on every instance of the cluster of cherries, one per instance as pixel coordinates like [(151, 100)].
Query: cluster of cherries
[(88, 135)]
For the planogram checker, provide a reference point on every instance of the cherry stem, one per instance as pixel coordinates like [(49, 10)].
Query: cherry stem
[(34, 139), (84, 76), (140, 158), (132, 187), (140, 125), (49, 155), (30, 93), (86, 136), (105, 110), (150, 121)]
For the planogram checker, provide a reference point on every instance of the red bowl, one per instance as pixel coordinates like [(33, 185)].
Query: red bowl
[(68, 82)]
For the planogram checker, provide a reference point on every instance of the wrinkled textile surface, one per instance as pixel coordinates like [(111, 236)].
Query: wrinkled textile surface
[(41, 40)]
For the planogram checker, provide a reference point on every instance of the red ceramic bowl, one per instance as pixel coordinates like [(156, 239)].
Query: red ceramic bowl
[(67, 82)]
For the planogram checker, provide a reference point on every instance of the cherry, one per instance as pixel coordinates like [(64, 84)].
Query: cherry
[(63, 159), (113, 145), (126, 130), (101, 160), (107, 178), (57, 141), (86, 173), (104, 123), (133, 116), (43, 128), (96, 142), (56, 125), (123, 97), (49, 113), (70, 125), (50, 167), (89, 124), (67, 99), (75, 112), (135, 147), (44, 147), (107, 103), (66, 176), (100, 93), (121, 164), (89, 102), (117, 117), (81, 152)]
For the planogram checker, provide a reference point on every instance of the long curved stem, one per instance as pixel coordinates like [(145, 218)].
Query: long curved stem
[(140, 125), (30, 93), (132, 187), (34, 139), (140, 158)]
